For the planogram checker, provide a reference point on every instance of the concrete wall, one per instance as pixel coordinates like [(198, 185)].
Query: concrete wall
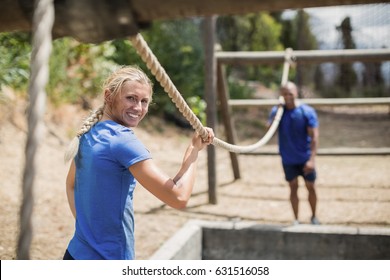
[(186, 244), (249, 241)]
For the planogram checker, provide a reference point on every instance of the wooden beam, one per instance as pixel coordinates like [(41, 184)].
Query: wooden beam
[(100, 20), (311, 56), (149, 10), (313, 101), (344, 151), (223, 93)]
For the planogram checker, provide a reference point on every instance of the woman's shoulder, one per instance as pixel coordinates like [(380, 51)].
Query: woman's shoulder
[(113, 132), (114, 127)]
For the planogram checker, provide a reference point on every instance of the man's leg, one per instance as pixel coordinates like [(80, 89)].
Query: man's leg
[(312, 199), (294, 196)]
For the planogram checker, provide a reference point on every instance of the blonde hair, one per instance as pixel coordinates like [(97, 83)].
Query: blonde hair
[(113, 85)]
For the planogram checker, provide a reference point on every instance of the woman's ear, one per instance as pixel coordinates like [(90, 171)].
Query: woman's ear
[(107, 97)]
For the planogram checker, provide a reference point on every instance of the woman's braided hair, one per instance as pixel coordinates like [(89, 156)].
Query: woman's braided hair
[(89, 122), (113, 84)]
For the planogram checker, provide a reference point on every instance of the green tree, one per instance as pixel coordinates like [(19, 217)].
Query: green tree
[(252, 32), (347, 77), (77, 71), (15, 51), (373, 82), (297, 34)]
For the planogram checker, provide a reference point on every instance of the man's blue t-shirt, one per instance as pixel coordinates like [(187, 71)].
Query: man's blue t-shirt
[(104, 192), (294, 141)]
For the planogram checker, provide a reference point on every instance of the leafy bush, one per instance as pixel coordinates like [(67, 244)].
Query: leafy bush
[(15, 53), (77, 70), (239, 89)]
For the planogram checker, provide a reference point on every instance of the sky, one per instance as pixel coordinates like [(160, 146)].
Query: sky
[(370, 23)]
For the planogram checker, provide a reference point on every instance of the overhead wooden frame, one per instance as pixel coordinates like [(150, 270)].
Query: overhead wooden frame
[(306, 56), (94, 21)]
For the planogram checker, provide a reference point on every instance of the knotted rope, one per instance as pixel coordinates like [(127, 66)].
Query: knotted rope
[(158, 71), (39, 74)]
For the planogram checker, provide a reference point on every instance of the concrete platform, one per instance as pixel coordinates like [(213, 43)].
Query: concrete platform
[(205, 240)]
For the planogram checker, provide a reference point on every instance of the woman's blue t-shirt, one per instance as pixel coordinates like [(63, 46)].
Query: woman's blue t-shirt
[(104, 192)]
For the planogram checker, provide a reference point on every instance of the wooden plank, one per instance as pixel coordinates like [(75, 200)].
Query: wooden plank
[(344, 151), (148, 10), (307, 56), (313, 102), (121, 18)]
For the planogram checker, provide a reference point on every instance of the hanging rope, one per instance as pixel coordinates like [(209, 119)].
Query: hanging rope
[(39, 73), (158, 71)]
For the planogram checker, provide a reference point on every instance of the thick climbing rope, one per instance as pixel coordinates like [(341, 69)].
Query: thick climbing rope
[(39, 74), (158, 71)]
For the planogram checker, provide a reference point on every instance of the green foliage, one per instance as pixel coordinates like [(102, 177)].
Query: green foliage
[(77, 70), (15, 53), (347, 77), (356, 92), (198, 107), (376, 91), (333, 92), (179, 48), (252, 32), (124, 53), (297, 34), (239, 89), (305, 39)]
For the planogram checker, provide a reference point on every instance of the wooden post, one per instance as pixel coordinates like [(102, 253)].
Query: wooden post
[(223, 94), (210, 96)]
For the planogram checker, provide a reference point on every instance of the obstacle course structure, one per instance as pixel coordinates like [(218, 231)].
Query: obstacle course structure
[(97, 21)]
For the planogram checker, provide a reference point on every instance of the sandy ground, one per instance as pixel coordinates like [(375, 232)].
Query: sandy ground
[(352, 190)]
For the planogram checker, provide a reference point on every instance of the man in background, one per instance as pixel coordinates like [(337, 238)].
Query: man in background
[(298, 134)]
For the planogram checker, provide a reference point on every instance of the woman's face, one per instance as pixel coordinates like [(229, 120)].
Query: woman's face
[(131, 104)]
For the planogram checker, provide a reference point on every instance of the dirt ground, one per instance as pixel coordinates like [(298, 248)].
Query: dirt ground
[(352, 190)]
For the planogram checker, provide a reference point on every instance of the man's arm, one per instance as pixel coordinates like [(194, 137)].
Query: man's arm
[(314, 134)]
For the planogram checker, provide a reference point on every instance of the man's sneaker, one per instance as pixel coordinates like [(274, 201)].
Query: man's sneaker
[(314, 221), (295, 223)]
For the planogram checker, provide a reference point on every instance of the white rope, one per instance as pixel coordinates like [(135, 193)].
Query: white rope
[(39, 73), (158, 71), (275, 123)]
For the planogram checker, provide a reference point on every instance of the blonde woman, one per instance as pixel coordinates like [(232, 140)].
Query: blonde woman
[(107, 161)]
